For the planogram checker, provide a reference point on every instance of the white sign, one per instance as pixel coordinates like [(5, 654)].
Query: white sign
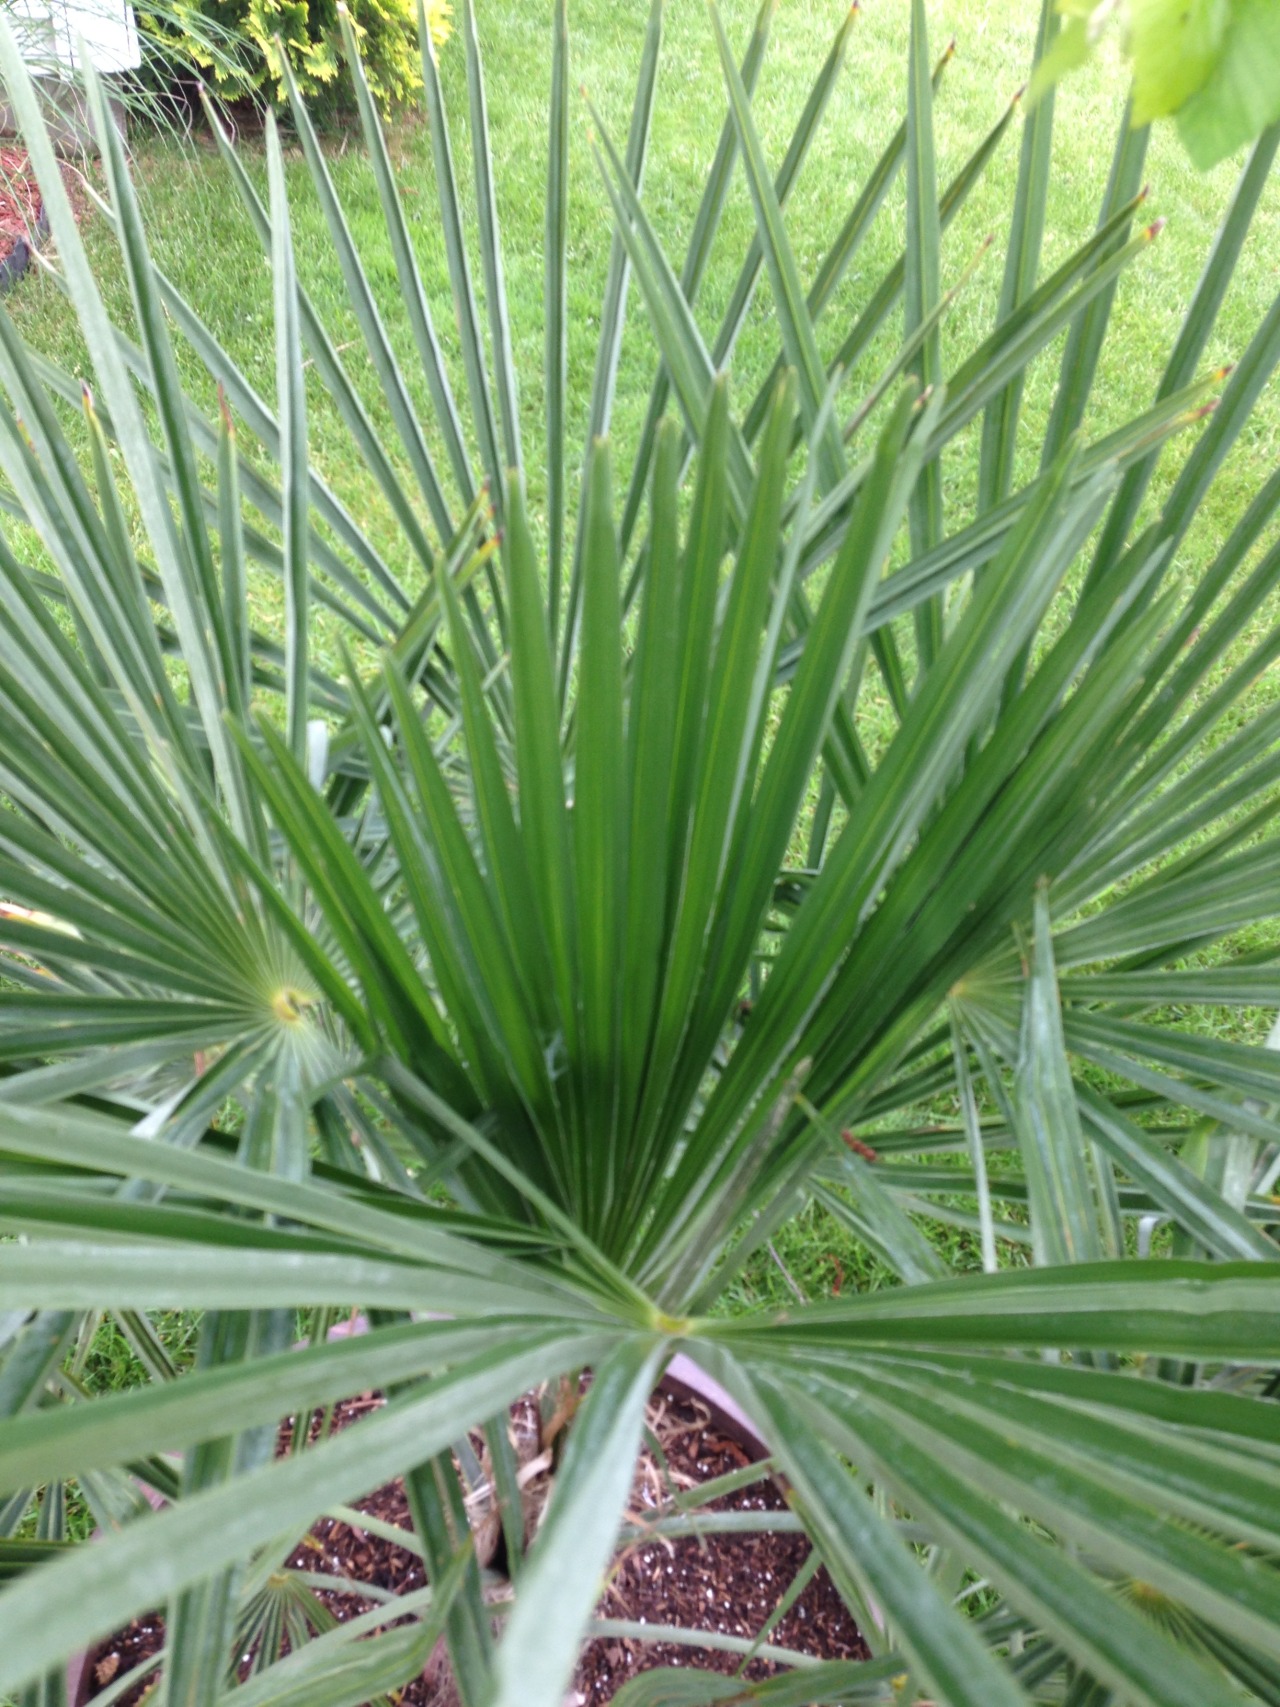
[(48, 32)]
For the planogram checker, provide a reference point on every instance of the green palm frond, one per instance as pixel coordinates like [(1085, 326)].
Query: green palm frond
[(781, 828)]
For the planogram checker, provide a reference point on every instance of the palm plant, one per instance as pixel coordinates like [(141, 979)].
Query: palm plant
[(538, 966)]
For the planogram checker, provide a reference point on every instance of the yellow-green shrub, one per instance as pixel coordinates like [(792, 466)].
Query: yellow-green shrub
[(387, 30)]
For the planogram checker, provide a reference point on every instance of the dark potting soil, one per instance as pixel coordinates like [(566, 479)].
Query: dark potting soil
[(730, 1584), (727, 1583)]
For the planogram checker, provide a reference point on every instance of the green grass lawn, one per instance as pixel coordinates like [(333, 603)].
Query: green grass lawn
[(203, 241)]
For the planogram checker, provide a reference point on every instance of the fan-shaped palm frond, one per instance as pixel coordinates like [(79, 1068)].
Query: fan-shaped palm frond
[(481, 983)]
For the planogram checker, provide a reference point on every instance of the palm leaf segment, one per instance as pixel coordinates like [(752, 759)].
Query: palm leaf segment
[(537, 905)]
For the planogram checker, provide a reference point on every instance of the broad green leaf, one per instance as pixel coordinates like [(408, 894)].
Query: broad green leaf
[(1175, 47), (1241, 94), (1193, 1477)]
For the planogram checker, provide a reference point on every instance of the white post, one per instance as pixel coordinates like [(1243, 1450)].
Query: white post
[(52, 34)]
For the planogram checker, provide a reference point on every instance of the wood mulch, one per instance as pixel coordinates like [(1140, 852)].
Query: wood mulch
[(727, 1584), (20, 204)]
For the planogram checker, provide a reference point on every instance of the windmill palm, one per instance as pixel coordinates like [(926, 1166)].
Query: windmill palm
[(521, 1025)]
